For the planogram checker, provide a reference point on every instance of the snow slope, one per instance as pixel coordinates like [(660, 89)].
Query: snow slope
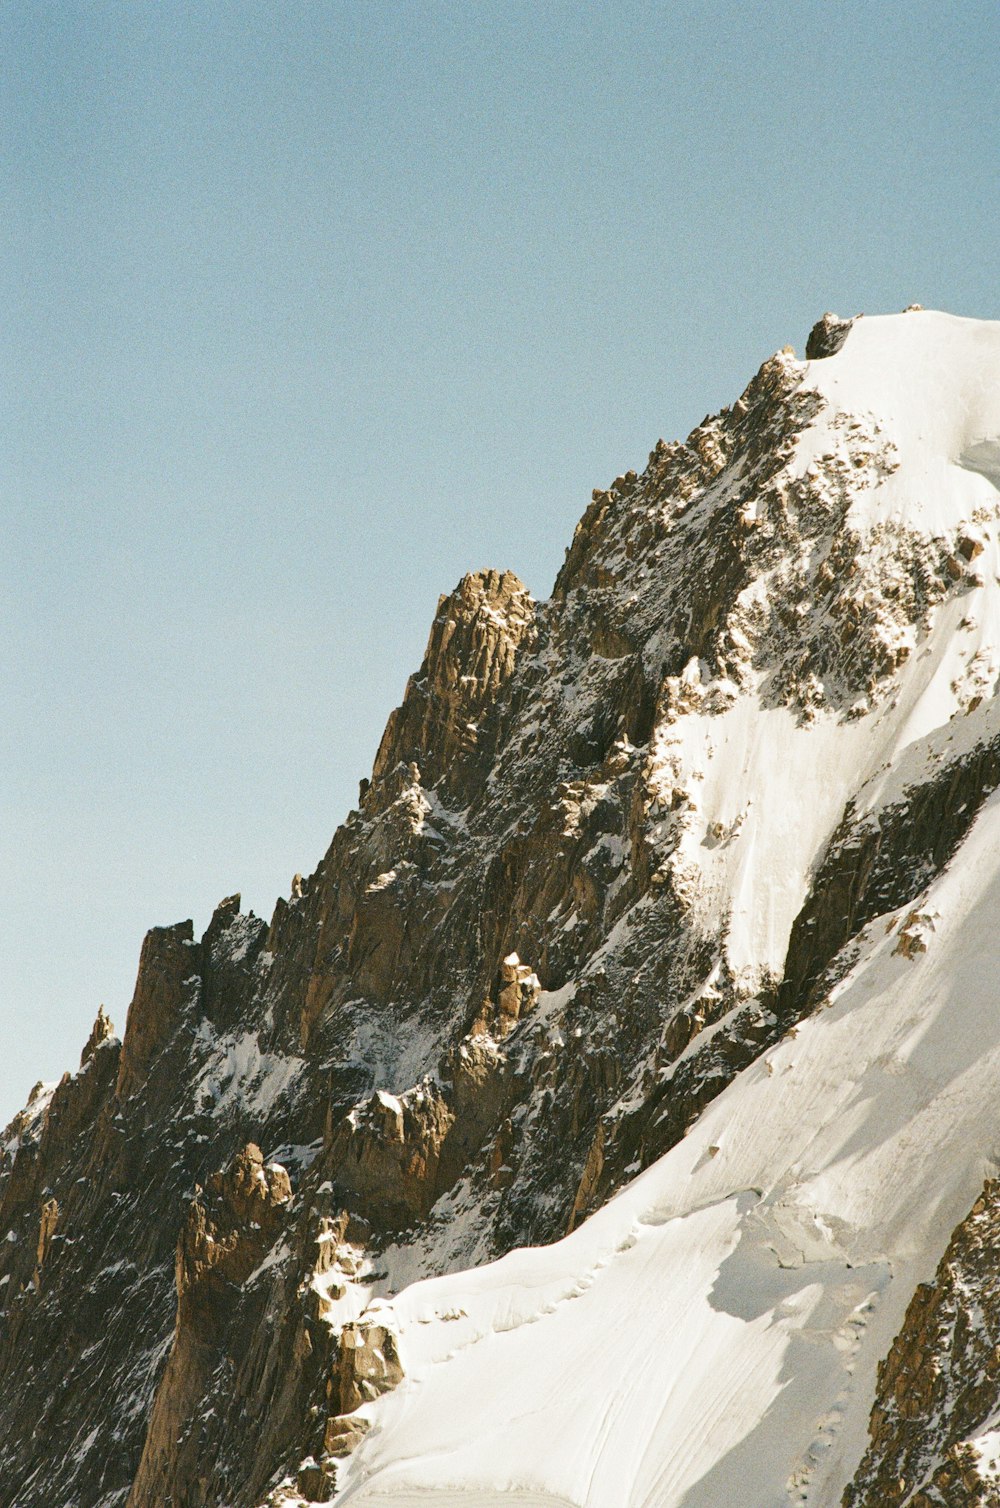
[(711, 1335), (926, 387), (931, 381)]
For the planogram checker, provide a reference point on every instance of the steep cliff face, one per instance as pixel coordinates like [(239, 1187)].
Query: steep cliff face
[(649, 894), (448, 722), (935, 1427)]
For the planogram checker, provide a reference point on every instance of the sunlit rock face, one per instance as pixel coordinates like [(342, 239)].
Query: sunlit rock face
[(664, 931)]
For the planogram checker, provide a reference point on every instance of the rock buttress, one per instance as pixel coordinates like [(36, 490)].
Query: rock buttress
[(939, 1387), (447, 722), (169, 978), (231, 1225)]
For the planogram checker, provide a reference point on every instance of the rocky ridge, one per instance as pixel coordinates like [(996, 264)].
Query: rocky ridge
[(934, 1426), (570, 909)]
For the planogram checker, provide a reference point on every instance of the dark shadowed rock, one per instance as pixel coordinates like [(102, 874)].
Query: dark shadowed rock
[(827, 336), (168, 983)]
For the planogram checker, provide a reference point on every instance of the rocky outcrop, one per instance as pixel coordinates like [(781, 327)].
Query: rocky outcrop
[(588, 1190), (827, 336), (169, 980), (230, 950), (518, 991), (878, 861), (97, 1324), (447, 722), (369, 1365), (231, 1225), (936, 1419), (512, 981), (47, 1224), (479, 1076), (386, 1154), (102, 1031), (40, 1154)]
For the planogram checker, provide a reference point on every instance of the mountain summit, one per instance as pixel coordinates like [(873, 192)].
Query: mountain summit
[(610, 1121)]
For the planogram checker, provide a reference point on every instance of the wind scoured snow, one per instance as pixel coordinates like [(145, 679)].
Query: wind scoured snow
[(763, 790), (711, 1335), (931, 381), (237, 1071)]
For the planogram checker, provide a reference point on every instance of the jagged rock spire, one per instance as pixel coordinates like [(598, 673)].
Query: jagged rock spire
[(474, 642), (102, 1029), (168, 974)]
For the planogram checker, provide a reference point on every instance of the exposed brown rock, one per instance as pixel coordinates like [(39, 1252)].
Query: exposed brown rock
[(939, 1386), (344, 1433), (444, 720), (369, 1364), (969, 546), (47, 1222), (101, 1031), (317, 1481), (169, 980), (518, 991), (232, 1222), (230, 1227), (386, 1153), (914, 934), (590, 1180), (478, 1072)]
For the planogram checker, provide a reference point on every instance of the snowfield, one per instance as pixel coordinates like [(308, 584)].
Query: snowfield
[(711, 1336)]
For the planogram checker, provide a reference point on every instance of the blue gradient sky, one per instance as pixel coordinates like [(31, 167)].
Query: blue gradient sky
[(310, 308)]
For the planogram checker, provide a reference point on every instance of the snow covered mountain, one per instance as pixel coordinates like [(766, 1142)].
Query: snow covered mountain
[(626, 1073)]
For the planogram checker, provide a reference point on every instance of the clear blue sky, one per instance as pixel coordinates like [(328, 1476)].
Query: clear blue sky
[(310, 308)]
